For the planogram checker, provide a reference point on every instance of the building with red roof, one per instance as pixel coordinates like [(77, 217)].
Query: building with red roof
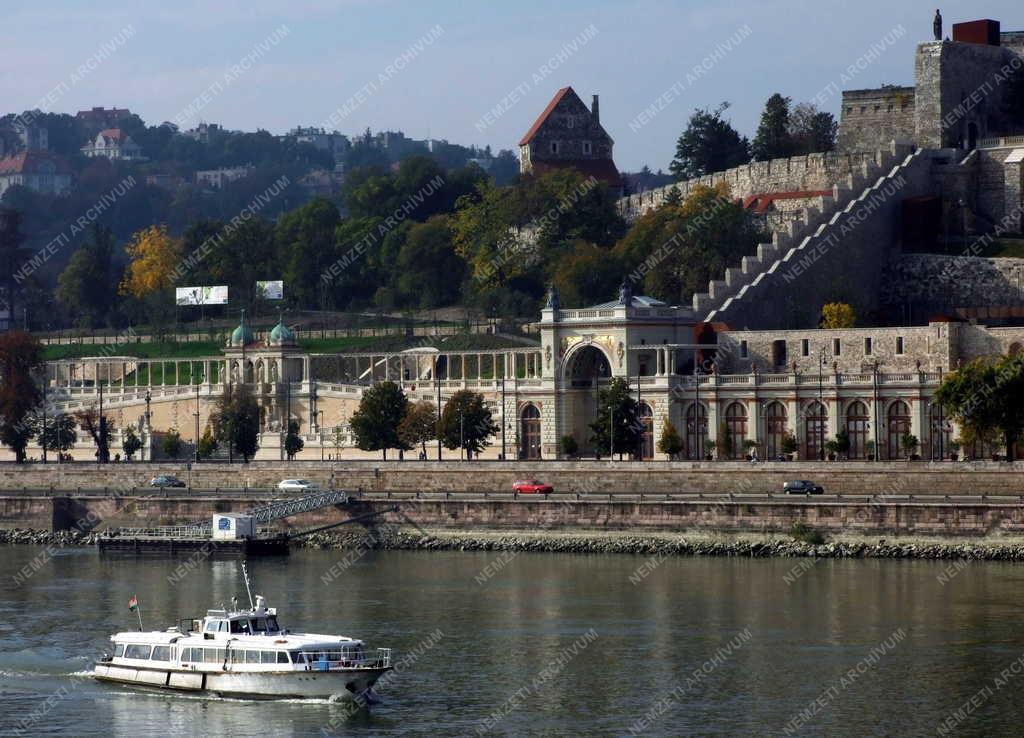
[(41, 171), (568, 135), (113, 143)]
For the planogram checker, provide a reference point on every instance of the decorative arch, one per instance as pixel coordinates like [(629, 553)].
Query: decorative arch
[(584, 362), (857, 425), (529, 431), (815, 429), (775, 422), (736, 428), (897, 416)]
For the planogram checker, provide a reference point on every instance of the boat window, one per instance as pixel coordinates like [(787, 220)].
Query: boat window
[(161, 653), (272, 624), (211, 627), (222, 654), (282, 657), (268, 657), (223, 626), (260, 625), (240, 626), (119, 649), (137, 652), (252, 657), (210, 655)]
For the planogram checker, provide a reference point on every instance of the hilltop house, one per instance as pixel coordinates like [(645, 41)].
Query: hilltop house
[(568, 135), (41, 171), (113, 143)]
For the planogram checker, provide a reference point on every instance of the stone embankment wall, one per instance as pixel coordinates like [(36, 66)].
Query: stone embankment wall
[(585, 477), (943, 283), (938, 518)]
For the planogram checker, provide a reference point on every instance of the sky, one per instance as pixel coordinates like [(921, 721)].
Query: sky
[(469, 72)]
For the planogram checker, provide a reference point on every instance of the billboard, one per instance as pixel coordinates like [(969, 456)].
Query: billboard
[(215, 295), (270, 290)]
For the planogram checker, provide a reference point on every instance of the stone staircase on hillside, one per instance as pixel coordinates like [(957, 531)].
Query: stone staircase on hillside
[(751, 268), (737, 296)]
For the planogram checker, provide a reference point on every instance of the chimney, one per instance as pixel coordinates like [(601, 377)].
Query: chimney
[(595, 110)]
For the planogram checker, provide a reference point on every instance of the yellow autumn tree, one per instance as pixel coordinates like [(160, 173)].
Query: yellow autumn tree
[(838, 315), (153, 256)]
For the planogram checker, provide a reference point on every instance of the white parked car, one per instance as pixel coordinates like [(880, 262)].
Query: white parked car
[(294, 485)]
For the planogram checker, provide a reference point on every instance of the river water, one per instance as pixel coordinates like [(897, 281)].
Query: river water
[(544, 644)]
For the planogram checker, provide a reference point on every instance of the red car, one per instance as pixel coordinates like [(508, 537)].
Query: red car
[(531, 487)]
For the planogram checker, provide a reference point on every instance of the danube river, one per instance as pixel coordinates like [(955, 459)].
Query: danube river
[(544, 644)]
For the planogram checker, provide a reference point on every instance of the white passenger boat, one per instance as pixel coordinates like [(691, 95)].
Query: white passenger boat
[(244, 653)]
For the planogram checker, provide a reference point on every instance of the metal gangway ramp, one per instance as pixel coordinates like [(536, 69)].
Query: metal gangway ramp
[(262, 515)]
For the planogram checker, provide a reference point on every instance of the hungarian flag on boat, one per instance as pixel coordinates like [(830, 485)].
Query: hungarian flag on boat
[(133, 603)]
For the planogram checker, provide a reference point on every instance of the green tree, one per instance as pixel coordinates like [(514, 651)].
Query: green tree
[(677, 250), (568, 445), (987, 395), (207, 444), (21, 357), (82, 288), (428, 272), (586, 275), (773, 139), (709, 144), (236, 421), (483, 233), (466, 422), (811, 130), (617, 420), (99, 428), (670, 442), (419, 425), (293, 443), (172, 444), (375, 423), (59, 433), (130, 443), (305, 239)]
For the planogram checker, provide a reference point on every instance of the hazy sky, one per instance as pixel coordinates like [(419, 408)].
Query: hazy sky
[(310, 62)]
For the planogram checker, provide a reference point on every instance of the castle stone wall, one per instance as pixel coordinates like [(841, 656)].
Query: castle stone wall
[(935, 283), (872, 118)]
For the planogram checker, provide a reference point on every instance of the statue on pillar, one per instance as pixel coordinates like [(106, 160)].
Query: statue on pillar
[(626, 293), (553, 303), (937, 25)]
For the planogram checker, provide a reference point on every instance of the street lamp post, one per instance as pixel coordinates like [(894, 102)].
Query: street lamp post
[(822, 358), (42, 438), (698, 426), (462, 440), (611, 432), (197, 424), (504, 410), (320, 427)]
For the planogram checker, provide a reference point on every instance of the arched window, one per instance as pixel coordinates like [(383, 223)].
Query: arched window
[(857, 422), (735, 429), (529, 433), (696, 431), (897, 425), (815, 428), (939, 429), (775, 429), (646, 416)]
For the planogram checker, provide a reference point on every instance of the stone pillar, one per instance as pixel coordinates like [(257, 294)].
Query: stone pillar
[(1014, 189)]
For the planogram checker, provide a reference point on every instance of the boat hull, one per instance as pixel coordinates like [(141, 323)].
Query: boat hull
[(247, 685)]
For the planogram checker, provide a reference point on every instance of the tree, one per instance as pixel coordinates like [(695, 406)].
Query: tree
[(428, 273), (207, 444), (375, 423), (773, 140), (98, 427), (419, 425), (292, 442), (586, 275), (59, 433), (987, 395), (842, 442), (670, 442), (483, 233), (709, 144), (81, 287), (21, 357), (131, 443), (305, 238), (909, 443), (811, 130), (153, 256), (789, 443), (617, 420), (236, 421), (837, 315), (569, 447), (172, 444), (466, 422)]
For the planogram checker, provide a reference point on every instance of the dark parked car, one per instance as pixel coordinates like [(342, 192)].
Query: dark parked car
[(166, 480), (802, 487)]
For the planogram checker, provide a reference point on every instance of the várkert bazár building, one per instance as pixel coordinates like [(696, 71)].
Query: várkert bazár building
[(915, 165)]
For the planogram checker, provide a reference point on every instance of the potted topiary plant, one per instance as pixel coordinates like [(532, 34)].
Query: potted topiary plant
[(789, 445), (870, 448), (910, 444), (832, 449)]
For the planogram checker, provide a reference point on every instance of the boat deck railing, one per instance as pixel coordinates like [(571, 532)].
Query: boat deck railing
[(381, 660)]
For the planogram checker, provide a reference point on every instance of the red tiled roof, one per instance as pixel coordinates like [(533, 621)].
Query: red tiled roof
[(603, 170), (544, 116), (27, 162), (113, 133), (761, 203)]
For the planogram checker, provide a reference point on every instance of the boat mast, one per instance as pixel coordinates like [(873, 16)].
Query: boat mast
[(245, 575)]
